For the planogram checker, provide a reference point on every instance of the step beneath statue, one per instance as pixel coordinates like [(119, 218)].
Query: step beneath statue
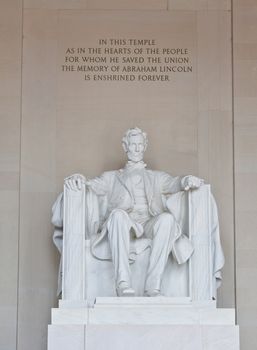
[(136, 302), (150, 337), (152, 302), (142, 311)]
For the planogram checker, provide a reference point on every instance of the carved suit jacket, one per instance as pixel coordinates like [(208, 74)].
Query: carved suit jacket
[(117, 187), (114, 191)]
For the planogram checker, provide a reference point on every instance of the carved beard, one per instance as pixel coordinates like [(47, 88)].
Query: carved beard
[(135, 165), (135, 157)]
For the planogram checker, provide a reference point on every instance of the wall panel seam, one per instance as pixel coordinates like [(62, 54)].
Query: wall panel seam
[(233, 153), (19, 186)]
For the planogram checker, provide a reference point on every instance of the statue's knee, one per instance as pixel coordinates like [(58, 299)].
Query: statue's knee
[(166, 218), (119, 214), (164, 225), (118, 224)]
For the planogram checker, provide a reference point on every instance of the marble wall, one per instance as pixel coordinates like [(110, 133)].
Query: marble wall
[(10, 119), (245, 129), (71, 125), (37, 186), (66, 125)]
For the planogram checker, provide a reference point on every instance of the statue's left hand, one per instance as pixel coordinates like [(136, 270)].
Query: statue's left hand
[(192, 182), (74, 182)]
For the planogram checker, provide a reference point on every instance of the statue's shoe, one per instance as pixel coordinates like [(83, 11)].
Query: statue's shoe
[(153, 293), (124, 290)]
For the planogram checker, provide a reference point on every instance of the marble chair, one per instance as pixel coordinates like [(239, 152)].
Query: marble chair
[(83, 277)]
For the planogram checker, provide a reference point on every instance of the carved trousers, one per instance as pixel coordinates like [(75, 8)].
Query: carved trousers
[(161, 229)]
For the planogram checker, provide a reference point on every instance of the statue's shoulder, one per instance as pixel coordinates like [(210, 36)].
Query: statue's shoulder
[(109, 174), (151, 172), (156, 173)]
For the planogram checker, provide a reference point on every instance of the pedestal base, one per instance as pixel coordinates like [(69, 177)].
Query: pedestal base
[(142, 323)]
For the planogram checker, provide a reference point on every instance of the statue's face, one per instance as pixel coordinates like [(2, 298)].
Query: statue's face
[(136, 148)]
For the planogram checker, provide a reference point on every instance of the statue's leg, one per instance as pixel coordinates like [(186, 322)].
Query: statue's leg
[(118, 227), (162, 233)]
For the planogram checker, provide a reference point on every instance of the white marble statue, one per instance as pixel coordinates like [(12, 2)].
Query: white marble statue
[(128, 211)]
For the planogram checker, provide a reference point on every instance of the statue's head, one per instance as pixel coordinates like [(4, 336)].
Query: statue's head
[(134, 143)]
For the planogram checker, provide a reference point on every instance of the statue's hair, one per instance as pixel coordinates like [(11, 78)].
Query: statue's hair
[(133, 132)]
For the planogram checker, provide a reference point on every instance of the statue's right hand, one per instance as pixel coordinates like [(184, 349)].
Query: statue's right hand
[(74, 182)]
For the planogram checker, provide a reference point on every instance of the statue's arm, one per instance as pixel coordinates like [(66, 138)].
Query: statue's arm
[(175, 184), (170, 184), (98, 184), (191, 182)]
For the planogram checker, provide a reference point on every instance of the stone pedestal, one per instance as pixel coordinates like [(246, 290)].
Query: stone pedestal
[(142, 323)]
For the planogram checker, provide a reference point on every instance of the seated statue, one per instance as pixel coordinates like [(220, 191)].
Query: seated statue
[(134, 214)]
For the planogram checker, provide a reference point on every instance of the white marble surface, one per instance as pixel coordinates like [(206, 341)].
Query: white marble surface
[(157, 311), (144, 337), (144, 301), (220, 338), (66, 337), (143, 323), (69, 316), (162, 337), (162, 315), (151, 337), (74, 245), (144, 311), (201, 263)]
